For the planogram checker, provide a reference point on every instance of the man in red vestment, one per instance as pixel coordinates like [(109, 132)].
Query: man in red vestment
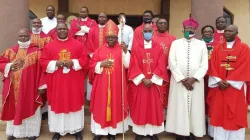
[(107, 99), (80, 26), (147, 18), (38, 37), (52, 33), (21, 101), (96, 39), (165, 40), (63, 60), (228, 74), (148, 75), (221, 24)]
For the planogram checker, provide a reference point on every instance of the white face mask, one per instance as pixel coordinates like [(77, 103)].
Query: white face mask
[(24, 44), (36, 30)]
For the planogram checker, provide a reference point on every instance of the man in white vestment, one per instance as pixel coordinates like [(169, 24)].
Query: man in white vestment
[(126, 33), (50, 21), (188, 63)]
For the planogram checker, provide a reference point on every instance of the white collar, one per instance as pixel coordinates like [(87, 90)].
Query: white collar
[(84, 19), (34, 32), (220, 31), (230, 44), (101, 26), (63, 39), (147, 45)]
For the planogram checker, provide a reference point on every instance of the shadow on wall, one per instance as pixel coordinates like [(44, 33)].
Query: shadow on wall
[(31, 17)]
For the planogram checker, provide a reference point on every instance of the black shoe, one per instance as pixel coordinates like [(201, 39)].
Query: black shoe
[(78, 136), (11, 138), (97, 137), (111, 137), (154, 137), (191, 137), (32, 138), (179, 137), (45, 116), (139, 137), (56, 136)]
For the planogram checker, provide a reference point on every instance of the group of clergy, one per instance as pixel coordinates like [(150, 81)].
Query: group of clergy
[(145, 78)]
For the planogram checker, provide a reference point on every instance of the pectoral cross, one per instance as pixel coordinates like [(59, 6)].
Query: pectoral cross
[(228, 61), (148, 61), (221, 39)]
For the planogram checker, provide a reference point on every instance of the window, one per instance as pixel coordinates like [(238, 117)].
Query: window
[(228, 15)]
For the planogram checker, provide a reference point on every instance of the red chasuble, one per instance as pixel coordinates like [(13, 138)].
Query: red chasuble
[(210, 48), (65, 91), (40, 40), (20, 98), (229, 107), (106, 96), (219, 37), (146, 103), (74, 29), (165, 40), (97, 38)]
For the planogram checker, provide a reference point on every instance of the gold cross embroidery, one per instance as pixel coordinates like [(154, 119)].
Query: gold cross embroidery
[(148, 61), (64, 55)]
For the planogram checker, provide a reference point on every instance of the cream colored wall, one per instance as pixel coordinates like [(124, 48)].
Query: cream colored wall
[(39, 6), (179, 11), (241, 11), (130, 7)]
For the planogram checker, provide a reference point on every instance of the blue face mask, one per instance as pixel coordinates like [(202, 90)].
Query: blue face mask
[(148, 36)]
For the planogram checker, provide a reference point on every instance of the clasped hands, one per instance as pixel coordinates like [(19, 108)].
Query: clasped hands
[(223, 85), (188, 83), (65, 63), (17, 65), (147, 82)]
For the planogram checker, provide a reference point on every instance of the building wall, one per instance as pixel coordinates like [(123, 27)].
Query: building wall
[(241, 11), (130, 7), (39, 6), (179, 11)]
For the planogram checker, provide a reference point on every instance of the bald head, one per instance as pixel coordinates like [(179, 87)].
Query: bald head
[(36, 23), (102, 18), (147, 27), (230, 33), (147, 31), (23, 35)]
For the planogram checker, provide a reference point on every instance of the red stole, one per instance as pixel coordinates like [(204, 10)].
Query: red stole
[(74, 29), (106, 98), (20, 98), (146, 103), (229, 107), (97, 38), (64, 94)]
